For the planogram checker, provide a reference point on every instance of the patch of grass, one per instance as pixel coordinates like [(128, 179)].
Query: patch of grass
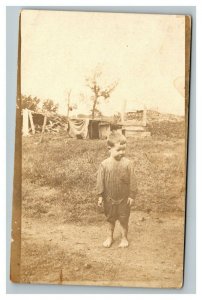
[(167, 129), (48, 263)]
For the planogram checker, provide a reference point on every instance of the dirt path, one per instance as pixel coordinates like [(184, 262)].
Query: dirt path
[(72, 254)]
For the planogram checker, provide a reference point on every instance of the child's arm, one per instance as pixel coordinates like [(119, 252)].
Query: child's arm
[(133, 185), (100, 185), (100, 201), (130, 201)]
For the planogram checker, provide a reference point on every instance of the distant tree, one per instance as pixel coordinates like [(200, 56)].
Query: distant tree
[(97, 113), (50, 106), (99, 93), (29, 102)]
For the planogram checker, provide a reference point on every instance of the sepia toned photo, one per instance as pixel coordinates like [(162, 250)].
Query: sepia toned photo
[(101, 149)]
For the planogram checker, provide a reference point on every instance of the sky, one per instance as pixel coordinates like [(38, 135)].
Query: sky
[(144, 53)]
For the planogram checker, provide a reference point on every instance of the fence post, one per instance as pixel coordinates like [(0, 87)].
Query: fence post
[(31, 122), (25, 129)]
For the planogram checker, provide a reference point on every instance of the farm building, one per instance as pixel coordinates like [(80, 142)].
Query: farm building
[(133, 123), (89, 128)]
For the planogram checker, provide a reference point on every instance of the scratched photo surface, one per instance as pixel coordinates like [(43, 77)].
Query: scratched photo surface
[(84, 76)]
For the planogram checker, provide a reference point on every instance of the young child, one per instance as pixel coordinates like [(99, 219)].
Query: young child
[(116, 187)]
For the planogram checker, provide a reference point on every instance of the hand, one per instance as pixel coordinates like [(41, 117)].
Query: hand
[(100, 202), (130, 201)]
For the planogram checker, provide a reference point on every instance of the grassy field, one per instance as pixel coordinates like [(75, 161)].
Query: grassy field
[(59, 176), (63, 230)]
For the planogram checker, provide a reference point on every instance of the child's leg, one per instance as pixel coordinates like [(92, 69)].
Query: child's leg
[(110, 230), (124, 232), (124, 213)]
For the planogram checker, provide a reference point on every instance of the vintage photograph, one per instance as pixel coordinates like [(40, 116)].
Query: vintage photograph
[(102, 112)]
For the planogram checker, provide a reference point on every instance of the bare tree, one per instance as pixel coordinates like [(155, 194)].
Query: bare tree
[(68, 102), (99, 93), (70, 106)]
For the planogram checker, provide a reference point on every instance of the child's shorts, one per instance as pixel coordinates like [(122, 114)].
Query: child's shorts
[(120, 212)]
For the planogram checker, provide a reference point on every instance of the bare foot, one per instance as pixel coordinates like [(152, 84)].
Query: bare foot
[(108, 242), (124, 243)]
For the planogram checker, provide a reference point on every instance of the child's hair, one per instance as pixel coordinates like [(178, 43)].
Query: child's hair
[(114, 138)]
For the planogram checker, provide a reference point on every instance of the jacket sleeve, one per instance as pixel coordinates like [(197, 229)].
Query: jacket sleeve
[(133, 182), (100, 181)]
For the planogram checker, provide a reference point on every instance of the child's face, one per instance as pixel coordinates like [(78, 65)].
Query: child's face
[(118, 151)]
